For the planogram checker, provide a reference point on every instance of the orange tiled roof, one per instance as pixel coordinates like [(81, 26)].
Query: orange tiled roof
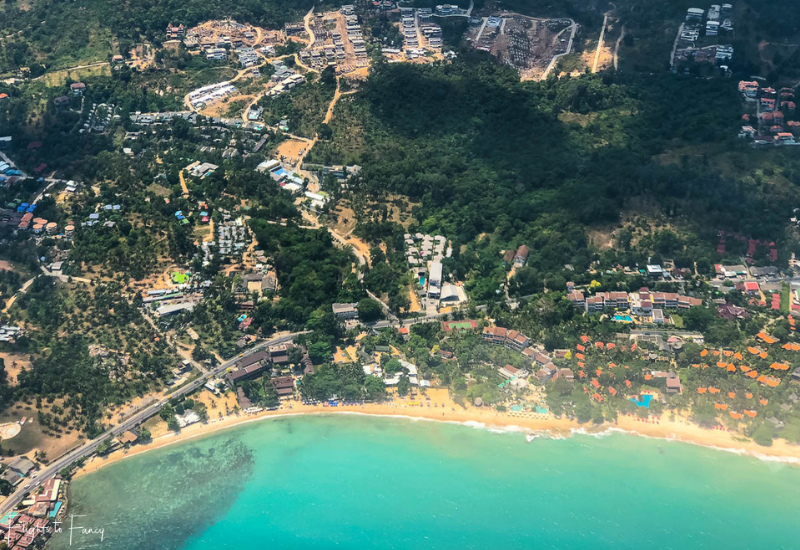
[(713, 390), (763, 401), (722, 364), (754, 351), (732, 395), (764, 337), (735, 416), (721, 406), (611, 345), (704, 353), (597, 397), (702, 390), (580, 348), (748, 395), (751, 414), (752, 374)]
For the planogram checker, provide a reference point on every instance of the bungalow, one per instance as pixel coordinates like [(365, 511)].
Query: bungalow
[(495, 335), (674, 383), (174, 32), (751, 288), (748, 88), (686, 302), (77, 88), (22, 465), (616, 300), (515, 340), (279, 353), (521, 256), (508, 371), (577, 299), (595, 304), (732, 312), (284, 385), (345, 311), (665, 300), (565, 374), (546, 373)]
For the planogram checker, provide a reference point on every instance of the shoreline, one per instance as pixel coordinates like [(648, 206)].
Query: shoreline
[(677, 430)]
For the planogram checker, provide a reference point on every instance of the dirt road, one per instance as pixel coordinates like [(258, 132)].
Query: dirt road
[(600, 43)]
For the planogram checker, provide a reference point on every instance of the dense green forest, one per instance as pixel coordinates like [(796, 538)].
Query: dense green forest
[(491, 160)]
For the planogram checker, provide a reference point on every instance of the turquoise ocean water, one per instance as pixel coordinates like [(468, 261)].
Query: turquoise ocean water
[(353, 482)]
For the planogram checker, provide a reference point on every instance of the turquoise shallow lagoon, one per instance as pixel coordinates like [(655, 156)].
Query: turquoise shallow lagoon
[(354, 482)]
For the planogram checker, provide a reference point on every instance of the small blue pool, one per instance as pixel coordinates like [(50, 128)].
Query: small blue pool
[(622, 318), (643, 401), (422, 282), (541, 410)]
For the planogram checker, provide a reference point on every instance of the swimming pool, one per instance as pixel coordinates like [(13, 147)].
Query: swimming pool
[(643, 401), (620, 318)]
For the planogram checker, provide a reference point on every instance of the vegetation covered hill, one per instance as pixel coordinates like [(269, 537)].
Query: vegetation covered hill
[(59, 34), (535, 163)]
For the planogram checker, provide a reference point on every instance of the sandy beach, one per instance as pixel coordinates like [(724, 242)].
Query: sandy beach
[(444, 410)]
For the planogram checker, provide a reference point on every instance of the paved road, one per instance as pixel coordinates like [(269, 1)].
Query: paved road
[(91, 446), (573, 28)]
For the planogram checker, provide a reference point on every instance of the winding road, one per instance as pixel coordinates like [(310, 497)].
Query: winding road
[(573, 30)]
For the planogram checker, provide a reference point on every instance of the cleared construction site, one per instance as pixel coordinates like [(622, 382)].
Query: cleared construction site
[(526, 43)]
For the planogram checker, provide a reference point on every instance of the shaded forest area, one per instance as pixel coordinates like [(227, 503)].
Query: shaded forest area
[(536, 162)]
